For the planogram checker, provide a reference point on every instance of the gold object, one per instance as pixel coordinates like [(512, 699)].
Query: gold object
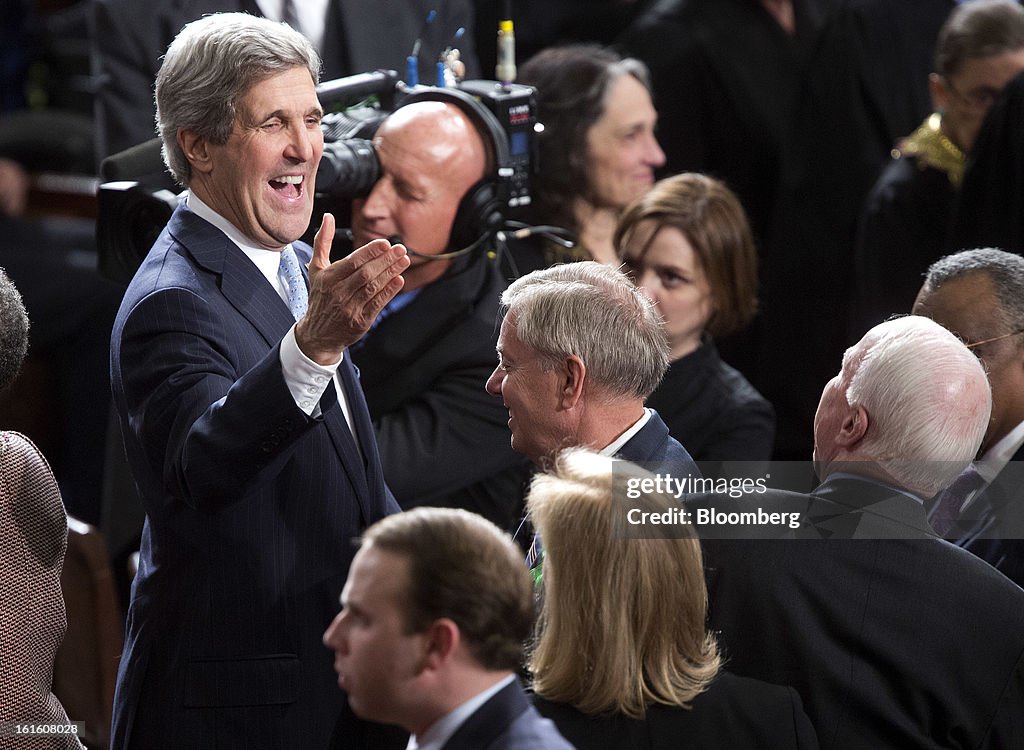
[(934, 149)]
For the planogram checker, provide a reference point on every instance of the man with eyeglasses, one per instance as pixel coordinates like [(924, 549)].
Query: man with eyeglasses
[(980, 48), (979, 295)]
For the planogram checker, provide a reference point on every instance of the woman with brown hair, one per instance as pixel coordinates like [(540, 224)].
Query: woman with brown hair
[(622, 657), (687, 243)]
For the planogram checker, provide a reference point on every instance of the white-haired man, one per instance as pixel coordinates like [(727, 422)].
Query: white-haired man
[(893, 637)]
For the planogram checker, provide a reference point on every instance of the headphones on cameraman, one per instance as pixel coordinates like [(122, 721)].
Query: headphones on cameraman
[(484, 208)]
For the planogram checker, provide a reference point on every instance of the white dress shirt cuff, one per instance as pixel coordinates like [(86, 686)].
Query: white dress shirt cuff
[(306, 380)]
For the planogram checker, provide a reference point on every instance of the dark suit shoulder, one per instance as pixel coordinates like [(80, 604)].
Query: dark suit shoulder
[(756, 712), (657, 451), (531, 731), (847, 635), (507, 721), (166, 265), (734, 712)]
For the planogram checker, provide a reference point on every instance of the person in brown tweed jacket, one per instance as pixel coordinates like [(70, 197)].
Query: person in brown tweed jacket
[(33, 538)]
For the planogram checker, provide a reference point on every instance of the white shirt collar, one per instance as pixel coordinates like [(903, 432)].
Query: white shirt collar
[(267, 261), (616, 445), (441, 730), (996, 457)]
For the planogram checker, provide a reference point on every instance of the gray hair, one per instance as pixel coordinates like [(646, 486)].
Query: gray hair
[(928, 401), (981, 28), (595, 312), (1005, 270), (13, 331), (210, 66)]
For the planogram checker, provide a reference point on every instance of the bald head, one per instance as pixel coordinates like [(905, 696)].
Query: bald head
[(430, 155), (910, 406), (437, 131)]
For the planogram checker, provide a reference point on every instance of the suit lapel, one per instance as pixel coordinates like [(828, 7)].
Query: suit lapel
[(360, 413), (351, 458), (239, 280), (995, 510)]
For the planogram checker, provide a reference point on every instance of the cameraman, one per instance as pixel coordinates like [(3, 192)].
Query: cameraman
[(443, 440)]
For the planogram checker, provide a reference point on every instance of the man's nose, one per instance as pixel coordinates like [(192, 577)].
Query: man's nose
[(493, 384)]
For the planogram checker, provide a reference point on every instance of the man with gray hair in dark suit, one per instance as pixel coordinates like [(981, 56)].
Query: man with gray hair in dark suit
[(243, 419)]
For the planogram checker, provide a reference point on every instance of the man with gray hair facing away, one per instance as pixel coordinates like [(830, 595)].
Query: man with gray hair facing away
[(979, 296), (893, 637)]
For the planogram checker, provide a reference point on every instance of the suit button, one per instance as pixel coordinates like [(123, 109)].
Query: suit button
[(267, 447)]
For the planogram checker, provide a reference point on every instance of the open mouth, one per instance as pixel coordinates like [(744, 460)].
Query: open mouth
[(288, 185)]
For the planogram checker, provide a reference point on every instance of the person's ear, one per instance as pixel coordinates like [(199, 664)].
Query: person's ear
[(573, 377), (196, 149), (939, 92), (854, 427), (442, 639)]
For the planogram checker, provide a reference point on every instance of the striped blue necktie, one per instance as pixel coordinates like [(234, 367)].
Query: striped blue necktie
[(295, 284)]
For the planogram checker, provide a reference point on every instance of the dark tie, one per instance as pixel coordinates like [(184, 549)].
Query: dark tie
[(951, 500), (288, 14)]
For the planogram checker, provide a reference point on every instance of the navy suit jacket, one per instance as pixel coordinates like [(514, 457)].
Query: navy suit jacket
[(653, 449), (251, 506), (507, 721), (657, 451)]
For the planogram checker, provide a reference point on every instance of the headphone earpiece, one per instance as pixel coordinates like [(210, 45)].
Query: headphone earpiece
[(484, 207), (481, 211)]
